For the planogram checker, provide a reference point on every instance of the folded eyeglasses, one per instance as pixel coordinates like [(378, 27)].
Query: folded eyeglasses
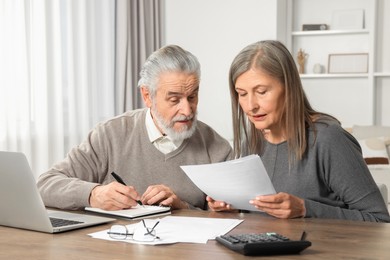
[(140, 234)]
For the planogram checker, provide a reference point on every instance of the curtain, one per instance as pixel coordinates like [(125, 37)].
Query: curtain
[(57, 74), (139, 26), (66, 65)]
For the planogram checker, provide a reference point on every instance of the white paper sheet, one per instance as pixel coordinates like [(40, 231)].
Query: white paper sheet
[(235, 182), (174, 229)]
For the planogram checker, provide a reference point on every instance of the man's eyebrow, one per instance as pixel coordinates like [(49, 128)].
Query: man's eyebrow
[(175, 93)]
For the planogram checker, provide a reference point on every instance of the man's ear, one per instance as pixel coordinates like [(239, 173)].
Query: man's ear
[(146, 96)]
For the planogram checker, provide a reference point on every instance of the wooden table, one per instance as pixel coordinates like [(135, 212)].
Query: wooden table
[(331, 239)]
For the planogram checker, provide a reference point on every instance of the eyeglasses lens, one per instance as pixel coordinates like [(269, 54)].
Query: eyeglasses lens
[(118, 232)]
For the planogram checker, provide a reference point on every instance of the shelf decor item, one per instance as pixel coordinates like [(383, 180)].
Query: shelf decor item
[(317, 68), (314, 27), (301, 57), (348, 63), (348, 20)]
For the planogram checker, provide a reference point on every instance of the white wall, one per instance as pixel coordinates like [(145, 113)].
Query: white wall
[(383, 63), (215, 31)]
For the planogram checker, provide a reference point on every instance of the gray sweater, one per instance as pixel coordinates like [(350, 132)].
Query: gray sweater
[(332, 177), (122, 145)]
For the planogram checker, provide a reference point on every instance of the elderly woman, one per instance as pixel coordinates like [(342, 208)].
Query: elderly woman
[(315, 166)]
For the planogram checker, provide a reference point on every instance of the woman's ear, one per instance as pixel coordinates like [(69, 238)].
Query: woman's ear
[(146, 96)]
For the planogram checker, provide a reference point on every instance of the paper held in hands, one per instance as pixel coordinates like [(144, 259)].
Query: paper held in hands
[(234, 182)]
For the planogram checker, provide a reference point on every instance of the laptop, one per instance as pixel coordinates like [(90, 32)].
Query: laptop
[(21, 205)]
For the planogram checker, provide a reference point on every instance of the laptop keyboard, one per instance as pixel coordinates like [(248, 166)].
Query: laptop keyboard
[(58, 222)]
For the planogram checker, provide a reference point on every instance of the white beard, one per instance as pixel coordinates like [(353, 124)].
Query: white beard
[(167, 127)]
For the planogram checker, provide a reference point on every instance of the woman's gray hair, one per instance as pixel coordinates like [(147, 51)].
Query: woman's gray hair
[(273, 58), (170, 58)]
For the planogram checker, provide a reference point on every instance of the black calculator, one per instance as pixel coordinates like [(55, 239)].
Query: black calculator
[(263, 244)]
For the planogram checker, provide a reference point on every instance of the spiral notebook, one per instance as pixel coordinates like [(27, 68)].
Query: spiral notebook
[(135, 212)]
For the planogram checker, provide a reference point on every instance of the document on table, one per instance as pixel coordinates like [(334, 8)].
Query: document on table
[(234, 182), (175, 229)]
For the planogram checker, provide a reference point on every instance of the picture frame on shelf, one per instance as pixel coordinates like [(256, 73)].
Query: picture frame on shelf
[(348, 19), (348, 63)]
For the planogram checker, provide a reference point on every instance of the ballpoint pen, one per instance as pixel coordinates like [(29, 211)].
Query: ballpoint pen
[(119, 179)]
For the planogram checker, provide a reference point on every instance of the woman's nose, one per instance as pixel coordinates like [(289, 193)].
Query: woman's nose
[(253, 104)]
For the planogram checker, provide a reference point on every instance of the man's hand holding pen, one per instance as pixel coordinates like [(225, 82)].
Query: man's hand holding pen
[(120, 180), (117, 195), (113, 196), (157, 195)]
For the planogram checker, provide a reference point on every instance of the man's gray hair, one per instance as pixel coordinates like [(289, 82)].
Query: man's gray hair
[(170, 58)]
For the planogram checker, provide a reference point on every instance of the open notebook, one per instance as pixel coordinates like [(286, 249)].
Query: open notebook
[(135, 212)]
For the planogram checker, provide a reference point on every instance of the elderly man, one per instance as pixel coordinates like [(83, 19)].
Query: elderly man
[(145, 146)]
